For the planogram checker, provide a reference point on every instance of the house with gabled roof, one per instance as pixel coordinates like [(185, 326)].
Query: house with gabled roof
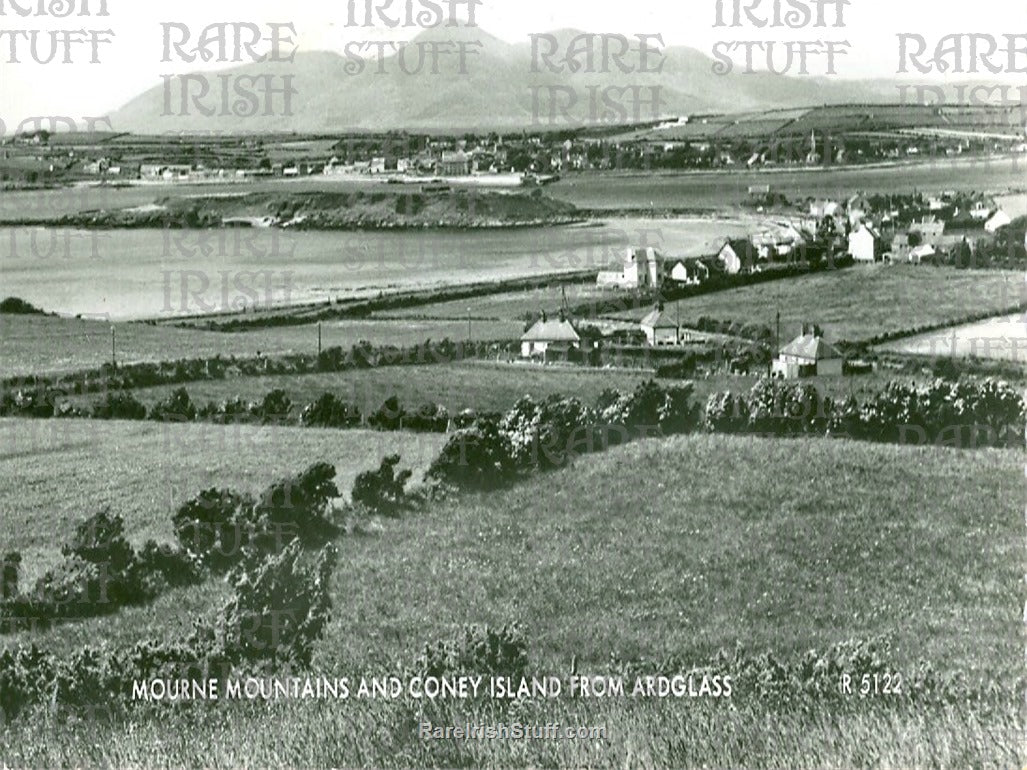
[(659, 328), (808, 355), (863, 243), (738, 255), (546, 334)]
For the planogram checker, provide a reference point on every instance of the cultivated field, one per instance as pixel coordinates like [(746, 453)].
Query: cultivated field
[(862, 301), (58, 472), (777, 544)]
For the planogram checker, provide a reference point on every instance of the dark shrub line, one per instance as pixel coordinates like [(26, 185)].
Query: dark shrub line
[(49, 391)]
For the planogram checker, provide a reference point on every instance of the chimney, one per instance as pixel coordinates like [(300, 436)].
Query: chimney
[(817, 331), (542, 316), (802, 332)]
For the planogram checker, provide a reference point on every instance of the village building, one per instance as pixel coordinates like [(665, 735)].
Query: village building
[(930, 229), (642, 269), (547, 335), (659, 329), (690, 272), (918, 253), (738, 255), (808, 355), (457, 163), (900, 248), (997, 220), (863, 243)]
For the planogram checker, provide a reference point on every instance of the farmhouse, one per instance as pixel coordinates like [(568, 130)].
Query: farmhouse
[(642, 269), (545, 335), (659, 329), (807, 355), (863, 243), (690, 272), (738, 255)]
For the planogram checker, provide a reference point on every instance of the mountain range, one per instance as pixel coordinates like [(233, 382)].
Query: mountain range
[(499, 87)]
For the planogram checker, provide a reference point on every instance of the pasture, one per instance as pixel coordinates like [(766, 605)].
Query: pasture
[(73, 344), (59, 472), (860, 302), (473, 384), (1003, 338), (776, 544)]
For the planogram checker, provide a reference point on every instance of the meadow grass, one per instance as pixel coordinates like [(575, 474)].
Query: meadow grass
[(477, 384), (859, 302), (73, 344), (642, 734), (58, 472), (667, 546)]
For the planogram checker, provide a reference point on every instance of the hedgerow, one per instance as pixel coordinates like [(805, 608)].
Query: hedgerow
[(279, 610)]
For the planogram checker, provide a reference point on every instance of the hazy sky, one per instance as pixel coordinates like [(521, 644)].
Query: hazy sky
[(131, 62)]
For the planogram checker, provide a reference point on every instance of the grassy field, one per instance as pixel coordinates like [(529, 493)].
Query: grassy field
[(74, 344), (862, 301), (777, 544), (479, 385), (59, 472), (1003, 339)]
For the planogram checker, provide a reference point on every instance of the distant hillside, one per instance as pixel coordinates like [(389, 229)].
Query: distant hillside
[(341, 210), (494, 92)]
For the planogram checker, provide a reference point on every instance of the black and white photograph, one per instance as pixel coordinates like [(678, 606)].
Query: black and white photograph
[(513, 384)]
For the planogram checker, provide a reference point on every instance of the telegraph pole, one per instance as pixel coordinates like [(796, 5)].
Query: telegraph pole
[(114, 360), (319, 338)]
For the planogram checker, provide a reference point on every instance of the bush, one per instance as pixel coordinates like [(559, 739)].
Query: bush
[(275, 407), (427, 418), (214, 527), (9, 568), (547, 434), (330, 412), (18, 306), (389, 416), (279, 611), (175, 567), (381, 491), (295, 507), (481, 649), (177, 407), (650, 409), (477, 457), (119, 405)]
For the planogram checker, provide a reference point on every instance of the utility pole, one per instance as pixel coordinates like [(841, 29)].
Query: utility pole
[(319, 339), (114, 359), (468, 324)]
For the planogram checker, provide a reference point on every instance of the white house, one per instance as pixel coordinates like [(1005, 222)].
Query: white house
[(807, 355), (659, 329), (642, 269), (738, 256), (997, 220), (863, 243), (690, 272), (545, 333)]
